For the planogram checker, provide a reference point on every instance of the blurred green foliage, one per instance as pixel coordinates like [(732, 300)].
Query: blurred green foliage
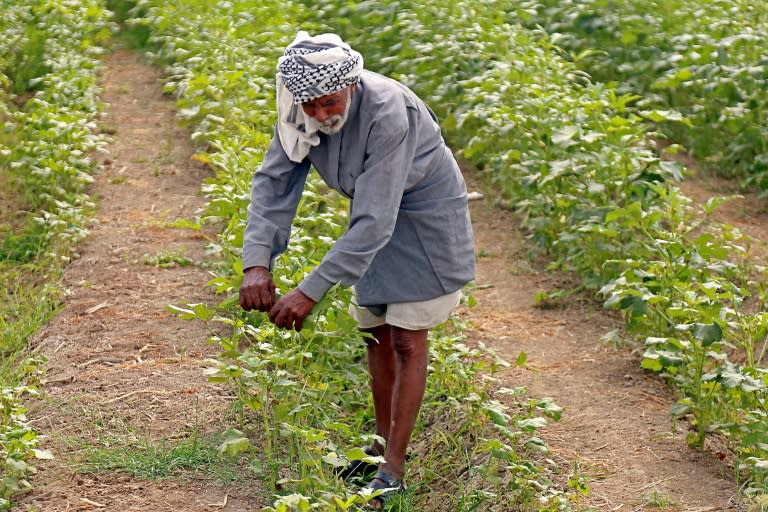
[(707, 60)]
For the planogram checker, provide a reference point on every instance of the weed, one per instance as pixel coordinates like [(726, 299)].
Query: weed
[(165, 152), (615, 339), (168, 259), (156, 460), (657, 499), (759, 503)]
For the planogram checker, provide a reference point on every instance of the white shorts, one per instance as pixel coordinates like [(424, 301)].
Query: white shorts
[(413, 316)]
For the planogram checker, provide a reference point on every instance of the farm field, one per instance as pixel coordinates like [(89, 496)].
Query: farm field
[(128, 375), (154, 390)]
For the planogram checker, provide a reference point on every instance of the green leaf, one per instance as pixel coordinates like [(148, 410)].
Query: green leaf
[(707, 334), (635, 305), (42, 454), (672, 168), (680, 408), (234, 443), (531, 424), (334, 460), (564, 136), (497, 416), (550, 408), (537, 444), (234, 447)]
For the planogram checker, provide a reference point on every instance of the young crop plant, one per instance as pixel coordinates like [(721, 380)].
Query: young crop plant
[(18, 444), (54, 128), (691, 296), (703, 59)]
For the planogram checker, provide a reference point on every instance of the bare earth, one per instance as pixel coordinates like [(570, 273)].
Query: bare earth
[(121, 365), (616, 425)]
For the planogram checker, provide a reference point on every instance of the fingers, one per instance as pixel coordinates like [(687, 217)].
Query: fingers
[(266, 298), (284, 317), (290, 311), (259, 300), (258, 290), (274, 312), (246, 301)]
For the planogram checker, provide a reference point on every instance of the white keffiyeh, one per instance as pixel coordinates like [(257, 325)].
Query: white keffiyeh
[(310, 67)]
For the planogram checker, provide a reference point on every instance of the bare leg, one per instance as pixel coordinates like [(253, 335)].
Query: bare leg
[(410, 348), (382, 367), (397, 362)]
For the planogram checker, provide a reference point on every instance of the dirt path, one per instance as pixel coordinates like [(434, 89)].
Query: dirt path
[(124, 370), (616, 425)]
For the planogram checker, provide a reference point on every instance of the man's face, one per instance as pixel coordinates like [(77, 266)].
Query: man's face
[(329, 113)]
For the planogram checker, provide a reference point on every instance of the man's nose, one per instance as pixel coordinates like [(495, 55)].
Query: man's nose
[(321, 115)]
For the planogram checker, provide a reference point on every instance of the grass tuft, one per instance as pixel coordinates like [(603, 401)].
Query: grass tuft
[(144, 459)]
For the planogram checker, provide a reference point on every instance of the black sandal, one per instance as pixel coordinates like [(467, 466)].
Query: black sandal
[(382, 480), (359, 468)]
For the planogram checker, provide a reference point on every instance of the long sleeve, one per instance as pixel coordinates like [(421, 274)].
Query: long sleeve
[(276, 189)]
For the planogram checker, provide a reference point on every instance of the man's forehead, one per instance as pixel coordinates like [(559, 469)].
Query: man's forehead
[(330, 97)]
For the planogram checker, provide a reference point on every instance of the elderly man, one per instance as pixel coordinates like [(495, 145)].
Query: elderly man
[(408, 250)]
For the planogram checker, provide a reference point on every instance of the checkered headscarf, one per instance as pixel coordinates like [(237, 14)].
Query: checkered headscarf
[(316, 66)]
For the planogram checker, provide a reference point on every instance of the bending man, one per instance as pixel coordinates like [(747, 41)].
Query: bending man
[(408, 249)]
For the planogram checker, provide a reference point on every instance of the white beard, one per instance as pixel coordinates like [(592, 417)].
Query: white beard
[(333, 124)]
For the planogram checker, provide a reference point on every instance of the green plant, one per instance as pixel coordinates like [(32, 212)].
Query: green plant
[(168, 259), (155, 460), (705, 60), (657, 499), (48, 103), (571, 155), (18, 444)]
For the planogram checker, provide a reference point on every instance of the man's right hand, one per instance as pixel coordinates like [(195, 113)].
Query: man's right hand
[(258, 289)]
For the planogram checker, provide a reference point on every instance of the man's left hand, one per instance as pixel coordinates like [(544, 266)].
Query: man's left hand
[(290, 311)]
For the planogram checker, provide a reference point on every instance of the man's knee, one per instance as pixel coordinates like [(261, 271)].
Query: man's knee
[(408, 342)]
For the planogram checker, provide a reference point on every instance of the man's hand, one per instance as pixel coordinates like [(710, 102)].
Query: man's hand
[(258, 289), (291, 310)]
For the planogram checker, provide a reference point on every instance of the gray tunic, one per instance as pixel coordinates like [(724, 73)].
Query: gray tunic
[(409, 236)]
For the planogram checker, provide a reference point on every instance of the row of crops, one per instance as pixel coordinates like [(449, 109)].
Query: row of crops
[(574, 156), (570, 154), (48, 106), (707, 60)]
